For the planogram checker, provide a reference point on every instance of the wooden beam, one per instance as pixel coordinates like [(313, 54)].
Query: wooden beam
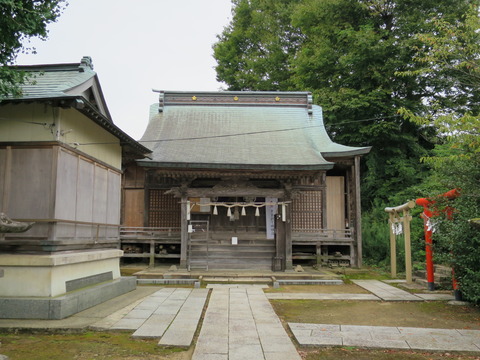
[(228, 192), (407, 206)]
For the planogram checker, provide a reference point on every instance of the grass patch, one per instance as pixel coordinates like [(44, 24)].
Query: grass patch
[(375, 313), (82, 346)]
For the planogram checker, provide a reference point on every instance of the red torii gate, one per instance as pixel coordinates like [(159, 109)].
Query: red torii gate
[(427, 215)]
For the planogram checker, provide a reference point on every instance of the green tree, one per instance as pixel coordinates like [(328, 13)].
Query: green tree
[(451, 52), (19, 21), (347, 52), (254, 51)]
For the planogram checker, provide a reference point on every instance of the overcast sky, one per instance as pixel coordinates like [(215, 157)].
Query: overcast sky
[(137, 46)]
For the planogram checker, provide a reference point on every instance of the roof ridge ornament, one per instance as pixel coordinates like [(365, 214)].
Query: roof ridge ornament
[(161, 101), (85, 62), (309, 103), (299, 99)]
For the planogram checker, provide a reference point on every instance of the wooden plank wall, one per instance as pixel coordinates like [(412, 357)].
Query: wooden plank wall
[(55, 183), (133, 199)]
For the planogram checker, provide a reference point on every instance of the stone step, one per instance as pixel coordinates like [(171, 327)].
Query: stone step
[(238, 280), (233, 248)]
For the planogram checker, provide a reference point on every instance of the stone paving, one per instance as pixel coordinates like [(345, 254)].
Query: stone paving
[(386, 337), (240, 324), (386, 292), (317, 296), (170, 314)]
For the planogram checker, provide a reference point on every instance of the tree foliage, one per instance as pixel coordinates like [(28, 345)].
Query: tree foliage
[(451, 52), (348, 54), (19, 21)]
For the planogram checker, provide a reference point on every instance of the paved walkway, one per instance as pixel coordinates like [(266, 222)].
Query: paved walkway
[(170, 314), (240, 324), (317, 296), (378, 291), (386, 337), (386, 292)]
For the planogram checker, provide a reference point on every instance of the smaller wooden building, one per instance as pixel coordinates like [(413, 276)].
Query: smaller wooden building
[(61, 161), (242, 180)]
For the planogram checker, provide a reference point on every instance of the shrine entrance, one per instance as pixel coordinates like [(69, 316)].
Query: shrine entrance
[(234, 233)]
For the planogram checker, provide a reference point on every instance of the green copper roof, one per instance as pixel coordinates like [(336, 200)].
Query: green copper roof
[(74, 85), (259, 135)]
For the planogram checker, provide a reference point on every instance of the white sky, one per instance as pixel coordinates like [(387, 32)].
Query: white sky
[(137, 46)]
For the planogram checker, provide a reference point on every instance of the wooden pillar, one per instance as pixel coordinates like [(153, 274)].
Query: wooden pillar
[(393, 247), (279, 260), (152, 254), (184, 232), (323, 178), (288, 236), (358, 212), (408, 251)]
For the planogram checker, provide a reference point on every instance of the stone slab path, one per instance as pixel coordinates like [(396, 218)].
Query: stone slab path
[(386, 337), (386, 292), (317, 296), (240, 324), (170, 314)]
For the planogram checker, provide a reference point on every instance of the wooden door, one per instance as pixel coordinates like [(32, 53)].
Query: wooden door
[(335, 202), (134, 207)]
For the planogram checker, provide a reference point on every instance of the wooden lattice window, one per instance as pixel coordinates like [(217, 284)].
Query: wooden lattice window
[(307, 211), (163, 209)]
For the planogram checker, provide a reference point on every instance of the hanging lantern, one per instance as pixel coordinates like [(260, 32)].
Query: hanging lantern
[(257, 211), (244, 213), (215, 210)]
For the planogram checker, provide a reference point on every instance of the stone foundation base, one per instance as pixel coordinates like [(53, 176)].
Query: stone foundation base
[(54, 286), (63, 306)]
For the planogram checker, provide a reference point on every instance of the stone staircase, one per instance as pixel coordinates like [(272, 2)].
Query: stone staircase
[(442, 277)]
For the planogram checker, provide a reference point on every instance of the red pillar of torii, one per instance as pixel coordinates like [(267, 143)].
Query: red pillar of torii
[(427, 215)]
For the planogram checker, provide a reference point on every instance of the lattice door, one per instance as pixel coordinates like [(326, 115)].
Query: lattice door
[(307, 211), (164, 210)]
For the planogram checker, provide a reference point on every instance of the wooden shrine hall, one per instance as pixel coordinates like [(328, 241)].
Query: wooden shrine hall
[(242, 180)]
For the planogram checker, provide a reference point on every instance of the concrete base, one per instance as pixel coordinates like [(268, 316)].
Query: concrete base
[(63, 306), (51, 275)]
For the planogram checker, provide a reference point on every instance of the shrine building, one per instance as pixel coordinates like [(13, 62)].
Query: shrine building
[(242, 180)]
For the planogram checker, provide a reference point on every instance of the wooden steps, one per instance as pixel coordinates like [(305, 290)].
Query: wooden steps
[(251, 251)]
